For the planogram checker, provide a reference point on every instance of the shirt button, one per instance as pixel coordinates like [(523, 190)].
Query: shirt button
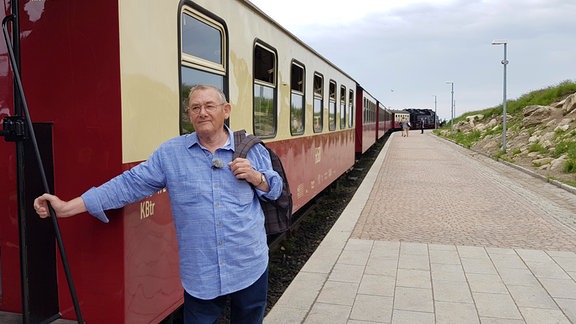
[(217, 204), (219, 242)]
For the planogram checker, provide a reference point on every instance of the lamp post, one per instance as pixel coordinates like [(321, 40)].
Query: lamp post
[(435, 115), (451, 106), (504, 63)]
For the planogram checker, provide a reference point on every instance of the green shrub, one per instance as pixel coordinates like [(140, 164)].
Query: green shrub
[(570, 166), (537, 147), (541, 97), (467, 139), (492, 131), (499, 154), (565, 147)]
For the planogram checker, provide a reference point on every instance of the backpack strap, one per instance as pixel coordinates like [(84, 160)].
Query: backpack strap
[(243, 143)]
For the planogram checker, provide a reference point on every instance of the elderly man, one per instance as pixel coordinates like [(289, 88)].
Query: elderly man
[(219, 223)]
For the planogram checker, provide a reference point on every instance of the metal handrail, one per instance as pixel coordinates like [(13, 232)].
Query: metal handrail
[(32, 136)]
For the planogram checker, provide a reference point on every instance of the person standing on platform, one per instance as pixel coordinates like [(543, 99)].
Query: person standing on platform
[(219, 223), (422, 126), (405, 127)]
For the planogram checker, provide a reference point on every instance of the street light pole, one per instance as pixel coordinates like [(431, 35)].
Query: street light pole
[(451, 83), (504, 63), (435, 115)]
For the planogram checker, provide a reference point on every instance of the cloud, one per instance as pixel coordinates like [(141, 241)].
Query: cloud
[(413, 47)]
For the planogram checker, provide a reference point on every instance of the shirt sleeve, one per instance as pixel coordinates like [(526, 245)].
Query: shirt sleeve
[(260, 160), (128, 187)]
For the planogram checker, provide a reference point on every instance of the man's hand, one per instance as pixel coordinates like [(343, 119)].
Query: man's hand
[(242, 169), (62, 208)]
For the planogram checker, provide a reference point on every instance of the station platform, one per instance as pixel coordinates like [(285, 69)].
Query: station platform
[(437, 233)]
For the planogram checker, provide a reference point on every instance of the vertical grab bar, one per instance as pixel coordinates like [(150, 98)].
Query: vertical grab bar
[(64, 259)]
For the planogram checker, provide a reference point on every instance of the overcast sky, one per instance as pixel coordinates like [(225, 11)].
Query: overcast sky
[(404, 51)]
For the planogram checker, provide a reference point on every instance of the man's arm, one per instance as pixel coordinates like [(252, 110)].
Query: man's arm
[(62, 208)]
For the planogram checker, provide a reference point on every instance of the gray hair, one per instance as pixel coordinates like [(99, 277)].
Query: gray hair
[(206, 87)]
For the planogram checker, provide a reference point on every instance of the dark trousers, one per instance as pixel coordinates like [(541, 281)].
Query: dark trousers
[(246, 306)]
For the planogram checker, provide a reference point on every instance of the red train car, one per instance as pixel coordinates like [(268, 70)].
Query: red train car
[(106, 83), (385, 121), (366, 120)]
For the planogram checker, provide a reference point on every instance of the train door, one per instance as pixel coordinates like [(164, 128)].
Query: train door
[(27, 252), (37, 239)]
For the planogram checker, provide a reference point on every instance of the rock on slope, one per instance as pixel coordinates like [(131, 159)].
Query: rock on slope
[(532, 137)]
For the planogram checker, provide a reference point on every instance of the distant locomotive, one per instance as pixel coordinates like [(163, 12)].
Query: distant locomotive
[(422, 117)]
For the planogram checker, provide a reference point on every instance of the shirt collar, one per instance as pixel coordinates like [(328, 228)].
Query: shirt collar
[(229, 145)]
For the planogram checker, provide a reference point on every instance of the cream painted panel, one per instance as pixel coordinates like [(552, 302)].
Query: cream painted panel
[(149, 75), (150, 66)]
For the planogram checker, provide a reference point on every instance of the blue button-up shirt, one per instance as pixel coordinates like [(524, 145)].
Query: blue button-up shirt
[(218, 219)]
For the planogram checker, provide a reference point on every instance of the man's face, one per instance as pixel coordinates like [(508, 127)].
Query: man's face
[(207, 112)]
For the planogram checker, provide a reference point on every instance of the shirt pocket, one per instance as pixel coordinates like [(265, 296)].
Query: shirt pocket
[(240, 193), (187, 189)]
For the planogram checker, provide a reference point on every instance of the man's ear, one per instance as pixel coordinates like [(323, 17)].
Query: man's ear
[(227, 110)]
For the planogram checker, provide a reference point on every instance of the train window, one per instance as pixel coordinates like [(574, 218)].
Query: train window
[(264, 117), (364, 111), (332, 106), (342, 107), (297, 104), (201, 39), (351, 109), (201, 58), (369, 111), (318, 102)]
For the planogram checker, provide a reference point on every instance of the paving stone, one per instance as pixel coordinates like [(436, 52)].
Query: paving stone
[(409, 317), (328, 313), (377, 285), (372, 308), (452, 291), (496, 305), (456, 313), (413, 299), (413, 278), (539, 316)]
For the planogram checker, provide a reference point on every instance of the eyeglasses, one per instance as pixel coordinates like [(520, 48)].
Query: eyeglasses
[(210, 108)]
